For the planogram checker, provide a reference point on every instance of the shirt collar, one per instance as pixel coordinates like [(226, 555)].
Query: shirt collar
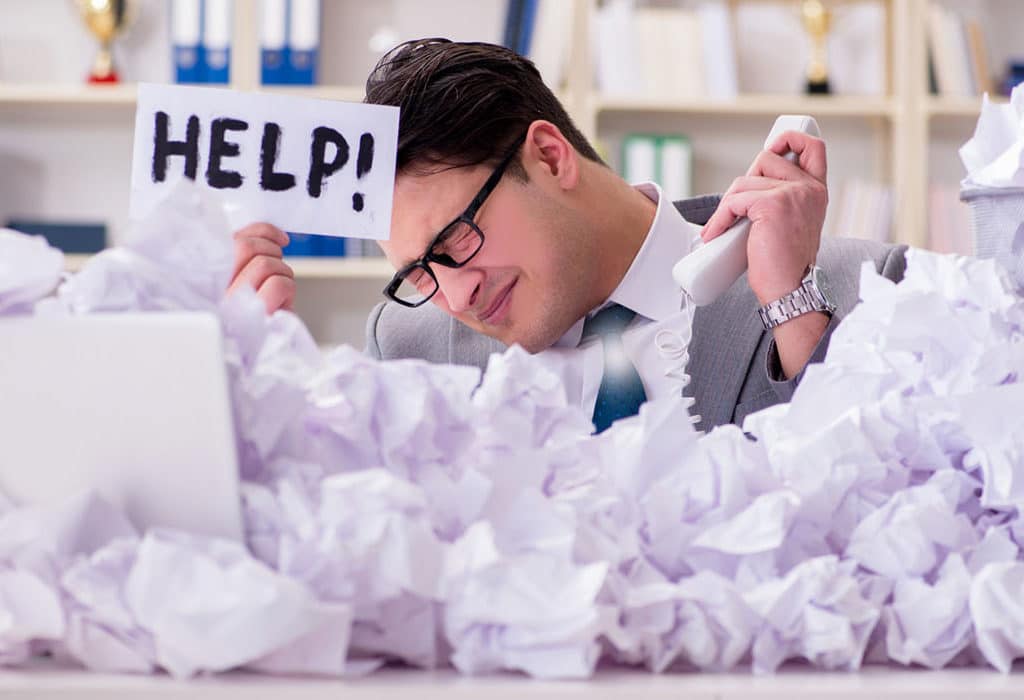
[(648, 287)]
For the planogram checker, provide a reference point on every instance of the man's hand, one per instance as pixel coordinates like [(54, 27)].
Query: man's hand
[(785, 203), (259, 263)]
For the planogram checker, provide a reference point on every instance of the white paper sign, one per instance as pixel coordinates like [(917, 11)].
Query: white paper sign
[(304, 165)]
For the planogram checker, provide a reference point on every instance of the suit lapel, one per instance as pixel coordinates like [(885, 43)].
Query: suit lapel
[(725, 338)]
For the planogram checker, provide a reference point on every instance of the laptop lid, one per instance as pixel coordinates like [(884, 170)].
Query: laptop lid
[(135, 406)]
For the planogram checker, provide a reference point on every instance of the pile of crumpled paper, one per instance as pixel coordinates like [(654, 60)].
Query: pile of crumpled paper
[(407, 511)]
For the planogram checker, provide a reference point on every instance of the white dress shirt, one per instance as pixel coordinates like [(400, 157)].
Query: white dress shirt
[(649, 290)]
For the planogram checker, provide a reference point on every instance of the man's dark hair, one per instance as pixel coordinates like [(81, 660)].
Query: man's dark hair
[(463, 104)]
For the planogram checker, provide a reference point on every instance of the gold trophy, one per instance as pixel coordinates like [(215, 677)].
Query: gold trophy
[(105, 19), (817, 21)]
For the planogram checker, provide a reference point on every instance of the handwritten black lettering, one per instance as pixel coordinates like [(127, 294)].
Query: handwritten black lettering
[(319, 168), (217, 177), (270, 149), (163, 147)]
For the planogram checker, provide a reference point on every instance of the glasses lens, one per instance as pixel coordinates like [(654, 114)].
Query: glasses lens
[(417, 285), (457, 244)]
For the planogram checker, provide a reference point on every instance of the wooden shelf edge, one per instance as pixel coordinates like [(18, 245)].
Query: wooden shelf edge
[(44, 95), (305, 268), (753, 105), (340, 268), (959, 106), (125, 95)]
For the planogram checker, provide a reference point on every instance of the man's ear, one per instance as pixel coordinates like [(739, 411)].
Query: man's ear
[(549, 156)]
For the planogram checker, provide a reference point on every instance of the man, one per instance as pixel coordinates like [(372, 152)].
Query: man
[(510, 224)]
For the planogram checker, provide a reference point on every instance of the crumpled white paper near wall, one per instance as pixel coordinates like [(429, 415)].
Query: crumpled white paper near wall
[(398, 510)]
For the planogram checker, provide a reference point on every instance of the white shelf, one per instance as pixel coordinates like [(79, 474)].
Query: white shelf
[(74, 262), (791, 682), (770, 105), (56, 94), (305, 268), (342, 93), (124, 95), (958, 106), (341, 268)]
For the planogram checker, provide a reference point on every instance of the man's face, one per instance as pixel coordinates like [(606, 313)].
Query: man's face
[(528, 283)]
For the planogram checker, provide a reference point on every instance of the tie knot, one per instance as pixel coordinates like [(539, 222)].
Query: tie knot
[(611, 320)]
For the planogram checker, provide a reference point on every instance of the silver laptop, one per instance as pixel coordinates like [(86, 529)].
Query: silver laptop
[(135, 406)]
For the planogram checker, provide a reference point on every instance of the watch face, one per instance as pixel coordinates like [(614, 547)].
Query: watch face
[(820, 280)]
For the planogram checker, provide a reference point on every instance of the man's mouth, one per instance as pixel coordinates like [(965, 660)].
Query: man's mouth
[(498, 306)]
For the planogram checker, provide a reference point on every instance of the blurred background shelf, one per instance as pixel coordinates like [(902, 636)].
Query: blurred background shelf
[(768, 106), (968, 107), (57, 94), (313, 268), (65, 147), (341, 268)]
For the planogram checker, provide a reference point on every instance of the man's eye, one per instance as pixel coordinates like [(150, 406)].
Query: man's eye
[(417, 277), (457, 243)]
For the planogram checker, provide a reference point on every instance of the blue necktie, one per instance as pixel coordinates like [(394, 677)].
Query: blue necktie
[(621, 391)]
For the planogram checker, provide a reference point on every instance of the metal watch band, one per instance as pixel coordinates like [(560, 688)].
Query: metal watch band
[(802, 300)]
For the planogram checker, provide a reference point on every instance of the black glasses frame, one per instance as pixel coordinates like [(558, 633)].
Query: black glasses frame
[(466, 217)]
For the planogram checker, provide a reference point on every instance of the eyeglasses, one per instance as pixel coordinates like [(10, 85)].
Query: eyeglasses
[(455, 246)]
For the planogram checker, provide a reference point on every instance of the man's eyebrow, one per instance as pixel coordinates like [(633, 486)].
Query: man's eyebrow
[(430, 244)]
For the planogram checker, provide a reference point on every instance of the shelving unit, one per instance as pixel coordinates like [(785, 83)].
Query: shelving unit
[(893, 135), (325, 268)]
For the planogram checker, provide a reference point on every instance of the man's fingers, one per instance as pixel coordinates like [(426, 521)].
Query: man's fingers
[(810, 151), (259, 270), (748, 183), (263, 230), (732, 207), (278, 292), (725, 215), (772, 165), (250, 247)]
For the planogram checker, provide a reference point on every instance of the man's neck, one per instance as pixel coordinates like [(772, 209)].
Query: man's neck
[(622, 218)]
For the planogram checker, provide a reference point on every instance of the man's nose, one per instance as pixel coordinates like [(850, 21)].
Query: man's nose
[(460, 286)]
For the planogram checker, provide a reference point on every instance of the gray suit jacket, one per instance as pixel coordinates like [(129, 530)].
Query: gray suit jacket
[(733, 363)]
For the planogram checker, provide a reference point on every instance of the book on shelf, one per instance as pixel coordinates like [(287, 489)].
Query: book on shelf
[(304, 245), (549, 45), (537, 29), (862, 209), (273, 42), (520, 18), (289, 41), (76, 238), (949, 228), (187, 40), (201, 40), (303, 41), (957, 53), (661, 51), (664, 159), (217, 24)]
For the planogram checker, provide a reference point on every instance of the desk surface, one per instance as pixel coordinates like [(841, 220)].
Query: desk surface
[(792, 682)]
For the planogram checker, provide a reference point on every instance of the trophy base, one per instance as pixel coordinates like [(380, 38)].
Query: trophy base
[(110, 78), (818, 87)]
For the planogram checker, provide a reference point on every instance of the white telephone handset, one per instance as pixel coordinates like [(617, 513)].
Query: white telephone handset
[(712, 268)]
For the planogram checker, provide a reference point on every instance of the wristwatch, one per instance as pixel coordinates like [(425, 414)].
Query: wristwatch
[(813, 294)]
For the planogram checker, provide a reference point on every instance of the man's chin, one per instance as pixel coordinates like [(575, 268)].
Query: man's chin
[(515, 336)]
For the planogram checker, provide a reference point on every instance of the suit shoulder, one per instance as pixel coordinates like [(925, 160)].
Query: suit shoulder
[(842, 259), (395, 332), (840, 252)]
